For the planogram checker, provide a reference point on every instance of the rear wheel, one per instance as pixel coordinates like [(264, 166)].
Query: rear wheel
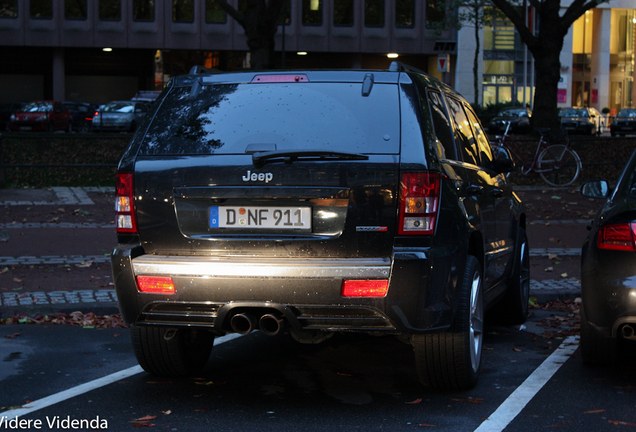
[(512, 309), (171, 352), (450, 360), (596, 348), (558, 165)]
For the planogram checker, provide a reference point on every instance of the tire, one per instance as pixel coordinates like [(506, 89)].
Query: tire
[(569, 165), (450, 360), (170, 352), (595, 348), (512, 309)]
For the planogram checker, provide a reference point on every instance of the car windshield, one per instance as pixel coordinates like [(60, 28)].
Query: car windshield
[(119, 107), (630, 113), (227, 118), (38, 107), (573, 112)]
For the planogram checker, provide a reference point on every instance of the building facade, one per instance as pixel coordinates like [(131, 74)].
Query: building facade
[(597, 61), (101, 50)]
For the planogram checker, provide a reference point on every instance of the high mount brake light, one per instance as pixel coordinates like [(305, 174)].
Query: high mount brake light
[(617, 237), (419, 203), (125, 204), (365, 288), (260, 79)]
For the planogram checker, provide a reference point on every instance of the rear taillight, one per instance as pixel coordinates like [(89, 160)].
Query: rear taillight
[(365, 288), (419, 203), (125, 204), (155, 284), (617, 237)]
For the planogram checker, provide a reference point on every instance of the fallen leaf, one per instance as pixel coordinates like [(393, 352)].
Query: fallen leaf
[(416, 401), (201, 409), (596, 411), (555, 197), (552, 256), (12, 336), (17, 280), (549, 269), (427, 425), (516, 350), (470, 400), (145, 418), (553, 240), (621, 423), (564, 275)]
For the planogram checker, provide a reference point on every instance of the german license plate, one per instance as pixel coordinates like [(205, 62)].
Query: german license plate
[(294, 218)]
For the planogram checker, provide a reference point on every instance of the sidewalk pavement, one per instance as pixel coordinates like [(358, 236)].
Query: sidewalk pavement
[(106, 299)]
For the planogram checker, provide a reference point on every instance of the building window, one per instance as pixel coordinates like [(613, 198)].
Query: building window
[(312, 12), (183, 10), (435, 13), (41, 9), (143, 10), (75, 9), (214, 13), (374, 13), (405, 13), (343, 13), (110, 10), (8, 8)]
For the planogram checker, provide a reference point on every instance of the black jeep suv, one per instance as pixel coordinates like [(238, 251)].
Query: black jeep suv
[(313, 202)]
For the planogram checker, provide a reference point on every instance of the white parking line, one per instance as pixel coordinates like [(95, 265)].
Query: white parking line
[(85, 388), (512, 406)]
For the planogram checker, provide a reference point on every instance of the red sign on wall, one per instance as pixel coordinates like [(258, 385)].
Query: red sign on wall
[(562, 95)]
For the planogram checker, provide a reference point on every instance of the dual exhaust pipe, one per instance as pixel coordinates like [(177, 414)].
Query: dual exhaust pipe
[(628, 332), (244, 323)]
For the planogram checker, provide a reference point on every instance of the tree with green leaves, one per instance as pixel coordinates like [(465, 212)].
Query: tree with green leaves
[(545, 44), (259, 19)]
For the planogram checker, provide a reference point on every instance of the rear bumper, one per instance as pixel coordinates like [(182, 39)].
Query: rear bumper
[(304, 292)]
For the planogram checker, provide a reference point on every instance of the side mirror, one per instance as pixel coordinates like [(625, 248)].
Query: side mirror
[(503, 162), (595, 189)]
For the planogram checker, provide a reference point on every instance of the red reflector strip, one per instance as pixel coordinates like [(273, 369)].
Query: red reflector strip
[(365, 288), (260, 79), (617, 237), (155, 284)]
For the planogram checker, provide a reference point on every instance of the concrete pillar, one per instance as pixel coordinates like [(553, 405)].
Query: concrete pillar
[(466, 44), (601, 57), (59, 90)]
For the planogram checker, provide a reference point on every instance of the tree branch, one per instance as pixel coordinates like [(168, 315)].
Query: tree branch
[(231, 11)]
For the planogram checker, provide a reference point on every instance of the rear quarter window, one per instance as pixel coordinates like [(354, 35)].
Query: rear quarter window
[(227, 118)]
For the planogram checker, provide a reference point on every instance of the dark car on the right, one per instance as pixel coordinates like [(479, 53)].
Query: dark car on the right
[(608, 270), (624, 123)]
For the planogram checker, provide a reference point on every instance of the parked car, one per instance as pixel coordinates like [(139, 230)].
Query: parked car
[(624, 123), (608, 270), (82, 115), (6, 109), (582, 120), (316, 202), (42, 115), (122, 116), (519, 119)]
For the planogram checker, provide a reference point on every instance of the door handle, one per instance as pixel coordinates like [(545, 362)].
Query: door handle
[(474, 190)]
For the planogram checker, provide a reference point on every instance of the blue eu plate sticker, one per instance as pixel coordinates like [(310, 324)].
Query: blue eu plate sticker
[(214, 217)]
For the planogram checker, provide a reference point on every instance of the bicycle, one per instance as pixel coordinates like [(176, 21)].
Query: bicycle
[(554, 159)]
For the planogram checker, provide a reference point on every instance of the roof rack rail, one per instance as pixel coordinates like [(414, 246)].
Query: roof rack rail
[(203, 70), (397, 66)]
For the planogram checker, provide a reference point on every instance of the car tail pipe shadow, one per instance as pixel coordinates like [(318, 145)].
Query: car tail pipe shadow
[(628, 331)]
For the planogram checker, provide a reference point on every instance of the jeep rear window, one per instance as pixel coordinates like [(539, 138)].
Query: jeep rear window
[(227, 118)]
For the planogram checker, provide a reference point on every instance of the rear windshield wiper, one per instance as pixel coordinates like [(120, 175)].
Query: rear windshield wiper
[(288, 156)]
